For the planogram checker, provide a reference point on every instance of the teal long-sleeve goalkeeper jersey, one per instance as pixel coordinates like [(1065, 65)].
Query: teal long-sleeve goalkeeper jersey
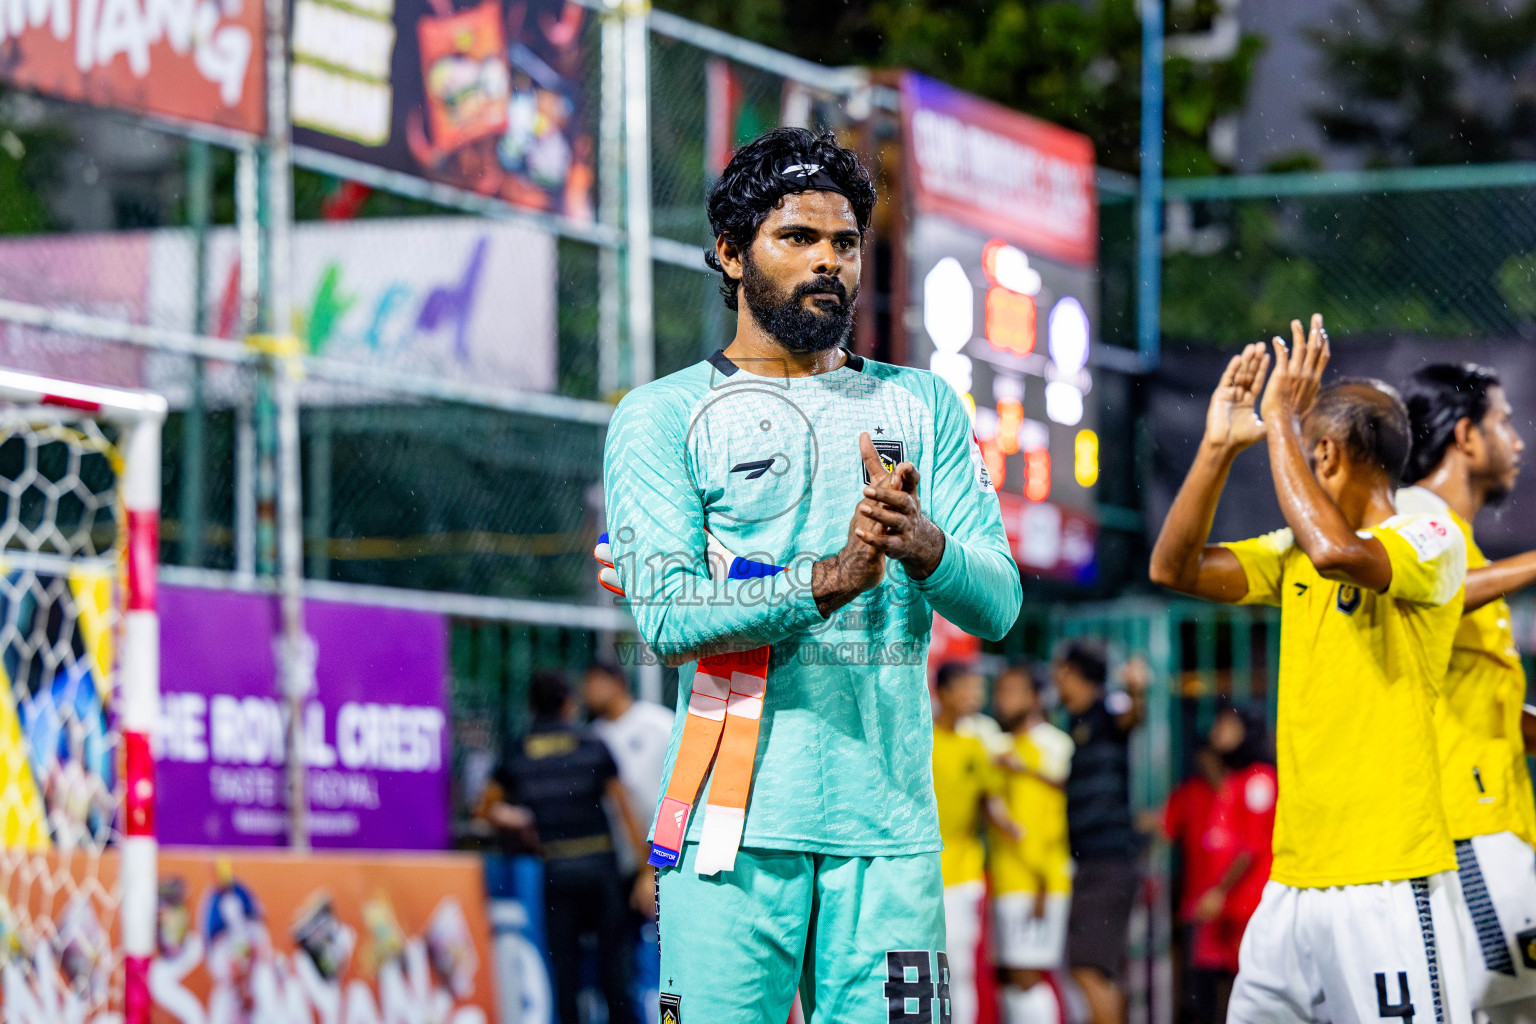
[(770, 466)]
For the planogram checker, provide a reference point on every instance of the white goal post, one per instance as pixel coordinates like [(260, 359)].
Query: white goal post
[(80, 671)]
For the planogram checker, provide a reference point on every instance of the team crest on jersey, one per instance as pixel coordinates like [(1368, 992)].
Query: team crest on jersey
[(892, 454), (671, 1008), (1348, 599), (1526, 941)]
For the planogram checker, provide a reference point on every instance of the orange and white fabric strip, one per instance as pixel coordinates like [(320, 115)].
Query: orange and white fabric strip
[(724, 713)]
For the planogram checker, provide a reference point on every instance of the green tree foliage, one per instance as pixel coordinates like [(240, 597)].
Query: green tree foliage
[(1074, 63), (1432, 81), (31, 163)]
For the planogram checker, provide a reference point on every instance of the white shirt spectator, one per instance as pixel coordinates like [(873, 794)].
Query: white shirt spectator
[(638, 740)]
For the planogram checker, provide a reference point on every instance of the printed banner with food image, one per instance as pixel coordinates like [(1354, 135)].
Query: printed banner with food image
[(487, 97)]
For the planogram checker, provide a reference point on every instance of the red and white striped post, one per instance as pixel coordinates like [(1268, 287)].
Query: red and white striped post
[(139, 681), (139, 415)]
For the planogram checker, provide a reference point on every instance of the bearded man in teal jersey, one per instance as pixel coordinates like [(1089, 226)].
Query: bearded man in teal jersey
[(859, 503)]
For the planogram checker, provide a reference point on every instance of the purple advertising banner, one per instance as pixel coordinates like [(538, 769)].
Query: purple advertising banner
[(376, 730)]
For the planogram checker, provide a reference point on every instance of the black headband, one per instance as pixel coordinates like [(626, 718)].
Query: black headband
[(803, 177)]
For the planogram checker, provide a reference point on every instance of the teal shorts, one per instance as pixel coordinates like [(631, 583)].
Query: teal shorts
[(861, 938)]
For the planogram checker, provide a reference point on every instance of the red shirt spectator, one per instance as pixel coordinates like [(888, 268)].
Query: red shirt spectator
[(1186, 819), (1243, 821), (1240, 834)]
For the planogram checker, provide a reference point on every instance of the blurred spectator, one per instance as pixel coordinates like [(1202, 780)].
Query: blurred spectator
[(967, 786), (636, 733), (1187, 822), (1032, 874), (552, 788), (1237, 838), (1105, 845)]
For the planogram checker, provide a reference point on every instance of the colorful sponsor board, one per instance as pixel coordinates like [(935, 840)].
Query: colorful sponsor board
[(485, 97), (375, 731), (454, 298), (189, 60), (248, 936)]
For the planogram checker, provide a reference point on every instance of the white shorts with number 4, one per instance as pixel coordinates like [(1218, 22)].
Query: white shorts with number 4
[(1495, 899), (1027, 942), (1353, 954)]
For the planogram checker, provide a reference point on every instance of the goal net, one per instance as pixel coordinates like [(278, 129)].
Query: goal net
[(79, 694)]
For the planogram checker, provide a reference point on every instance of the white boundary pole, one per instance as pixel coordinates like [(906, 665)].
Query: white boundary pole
[(140, 415)]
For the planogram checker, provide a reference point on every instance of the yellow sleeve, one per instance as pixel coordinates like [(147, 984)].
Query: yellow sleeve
[(1263, 561), (1428, 555)]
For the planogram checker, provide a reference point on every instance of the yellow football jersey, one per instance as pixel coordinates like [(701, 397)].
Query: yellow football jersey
[(1043, 857), (1360, 794), (963, 776), (1483, 771)]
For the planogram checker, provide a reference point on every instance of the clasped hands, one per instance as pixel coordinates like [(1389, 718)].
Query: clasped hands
[(888, 521)]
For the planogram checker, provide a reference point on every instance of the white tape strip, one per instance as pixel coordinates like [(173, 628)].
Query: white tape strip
[(749, 684), (720, 839), (714, 686), (742, 706), (705, 706)]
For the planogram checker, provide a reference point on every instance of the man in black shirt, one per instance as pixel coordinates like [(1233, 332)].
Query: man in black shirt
[(553, 785), (1105, 844)]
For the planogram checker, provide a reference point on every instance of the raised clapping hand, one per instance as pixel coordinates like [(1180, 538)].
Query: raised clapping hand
[(1298, 375), (1232, 421)]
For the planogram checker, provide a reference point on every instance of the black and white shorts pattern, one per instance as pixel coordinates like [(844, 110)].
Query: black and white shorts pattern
[(1354, 954)]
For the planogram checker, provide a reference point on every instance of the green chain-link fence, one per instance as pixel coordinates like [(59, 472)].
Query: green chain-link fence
[(1451, 263)]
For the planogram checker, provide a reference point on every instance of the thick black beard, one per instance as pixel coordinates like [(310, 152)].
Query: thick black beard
[(800, 329)]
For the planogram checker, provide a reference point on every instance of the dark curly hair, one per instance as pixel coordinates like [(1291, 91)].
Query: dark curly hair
[(753, 183), (1439, 397)]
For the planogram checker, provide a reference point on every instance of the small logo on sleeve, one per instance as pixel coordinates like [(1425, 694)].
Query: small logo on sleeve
[(1427, 536), (979, 467), (671, 1008)]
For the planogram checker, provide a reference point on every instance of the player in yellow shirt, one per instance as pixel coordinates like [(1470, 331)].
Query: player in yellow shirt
[(968, 788), (1466, 456), (1031, 875), (1356, 923)]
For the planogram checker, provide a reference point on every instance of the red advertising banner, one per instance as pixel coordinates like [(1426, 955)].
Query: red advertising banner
[(192, 60), (1050, 540), (251, 937), (999, 171)]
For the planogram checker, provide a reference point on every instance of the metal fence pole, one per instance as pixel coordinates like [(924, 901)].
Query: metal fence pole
[(637, 173), (637, 225), (295, 650), (194, 435), (1149, 204), (247, 458), (610, 181)]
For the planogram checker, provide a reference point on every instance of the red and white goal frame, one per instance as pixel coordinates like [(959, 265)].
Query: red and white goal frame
[(136, 417)]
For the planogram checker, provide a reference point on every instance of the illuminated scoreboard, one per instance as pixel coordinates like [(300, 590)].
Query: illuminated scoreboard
[(1000, 262)]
